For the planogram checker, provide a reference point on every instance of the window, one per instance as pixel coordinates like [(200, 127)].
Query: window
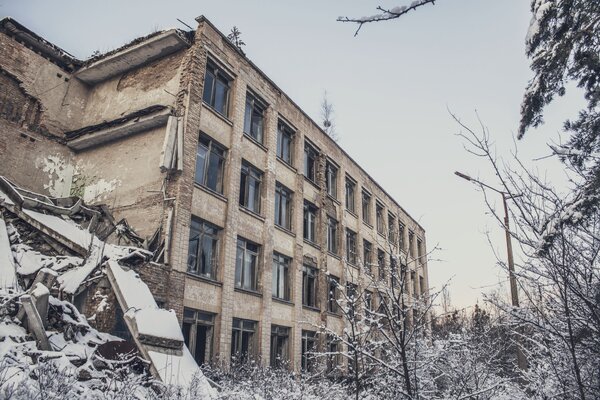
[(415, 284), (309, 286), (351, 246), (369, 304), (250, 182), (281, 276), (333, 356), (331, 180), (283, 206), (285, 136), (197, 330), (333, 294), (379, 219), (401, 233), (246, 265), (309, 347), (332, 235), (310, 222), (243, 339), (391, 228), (210, 163), (411, 240), (381, 263), (203, 250), (280, 336), (350, 189), (394, 273), (310, 162), (366, 207), (422, 287), (216, 88), (352, 298), (367, 255), (420, 251), (254, 117)]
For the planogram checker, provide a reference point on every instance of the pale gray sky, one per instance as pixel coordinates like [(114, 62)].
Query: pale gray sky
[(390, 86)]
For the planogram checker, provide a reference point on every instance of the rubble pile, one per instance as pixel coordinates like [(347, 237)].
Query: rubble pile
[(61, 259)]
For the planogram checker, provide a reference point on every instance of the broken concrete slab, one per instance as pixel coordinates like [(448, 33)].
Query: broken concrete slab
[(34, 322), (8, 277)]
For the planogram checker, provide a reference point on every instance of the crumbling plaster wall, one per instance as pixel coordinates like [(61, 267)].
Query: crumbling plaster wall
[(151, 84)]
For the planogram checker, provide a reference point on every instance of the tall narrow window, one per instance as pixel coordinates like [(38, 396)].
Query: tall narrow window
[(203, 250), (310, 222), (285, 136), (420, 251), (283, 206), (198, 331), (280, 337), (381, 263), (369, 302), (401, 233), (210, 163), (246, 265), (310, 162), (367, 255), (281, 276), (309, 286), (351, 247), (250, 185), (366, 207), (332, 235), (352, 299), (243, 340), (331, 179), (379, 218), (391, 228), (411, 243), (216, 88), (309, 347), (333, 294), (254, 117), (350, 190), (415, 284)]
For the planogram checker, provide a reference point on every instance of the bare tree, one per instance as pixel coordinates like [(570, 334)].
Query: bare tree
[(327, 112)]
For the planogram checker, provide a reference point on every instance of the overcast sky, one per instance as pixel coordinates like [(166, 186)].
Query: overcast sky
[(391, 88)]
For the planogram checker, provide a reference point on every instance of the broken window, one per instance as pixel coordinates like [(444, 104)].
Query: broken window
[(351, 246), (310, 162), (285, 136), (250, 185), (210, 163), (333, 294), (366, 207), (367, 255), (379, 218), (280, 337), (391, 228), (369, 303), (310, 222), (332, 235), (351, 299), (243, 340), (281, 276), (246, 265), (309, 286), (203, 250), (331, 179), (309, 348), (216, 88), (254, 117), (350, 190), (401, 233), (381, 263), (283, 206), (198, 334), (334, 353)]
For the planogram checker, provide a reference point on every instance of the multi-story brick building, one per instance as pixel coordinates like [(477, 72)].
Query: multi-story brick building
[(179, 132)]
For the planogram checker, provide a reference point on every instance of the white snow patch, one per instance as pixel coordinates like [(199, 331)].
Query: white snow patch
[(8, 278), (97, 191), (68, 229), (157, 323)]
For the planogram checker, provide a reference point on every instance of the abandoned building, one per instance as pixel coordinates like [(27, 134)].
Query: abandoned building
[(251, 209)]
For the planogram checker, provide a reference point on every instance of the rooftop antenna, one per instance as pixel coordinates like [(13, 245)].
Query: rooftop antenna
[(185, 24)]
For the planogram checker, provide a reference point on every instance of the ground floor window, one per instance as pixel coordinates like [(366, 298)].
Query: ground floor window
[(280, 338), (198, 330), (243, 339), (309, 347)]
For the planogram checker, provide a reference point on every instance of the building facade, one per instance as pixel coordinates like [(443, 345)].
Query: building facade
[(256, 209)]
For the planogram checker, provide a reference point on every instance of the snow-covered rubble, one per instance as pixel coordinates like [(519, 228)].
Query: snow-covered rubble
[(50, 253)]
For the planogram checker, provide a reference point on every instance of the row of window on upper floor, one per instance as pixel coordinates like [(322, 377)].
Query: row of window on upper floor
[(211, 161)]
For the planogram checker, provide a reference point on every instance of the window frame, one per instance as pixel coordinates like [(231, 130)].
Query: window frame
[(204, 226), (309, 344), (310, 285), (243, 246), (310, 234), (248, 173), (219, 151), (332, 226), (366, 207), (310, 153), (258, 106), (381, 264), (368, 258), (281, 192), (350, 205), (333, 292), (284, 130), (379, 219), (218, 74), (281, 262), (351, 252), (193, 322), (237, 343), (331, 179), (279, 332)]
